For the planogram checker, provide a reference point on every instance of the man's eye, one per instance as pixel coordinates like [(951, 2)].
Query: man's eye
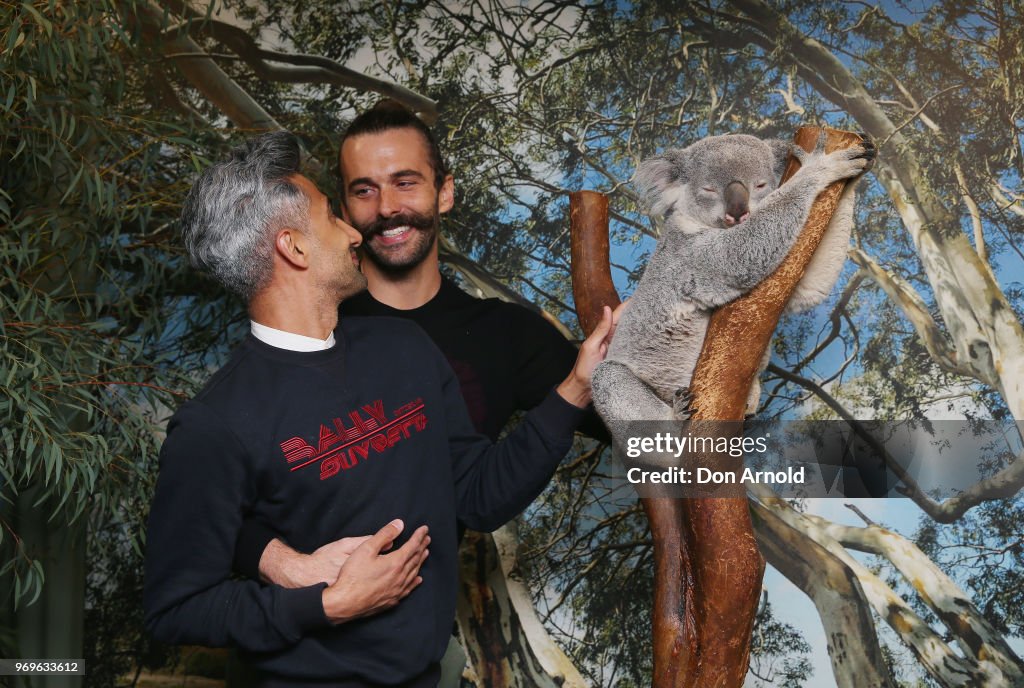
[(359, 193)]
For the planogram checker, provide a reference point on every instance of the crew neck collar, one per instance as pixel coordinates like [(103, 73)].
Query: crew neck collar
[(446, 294), (289, 341)]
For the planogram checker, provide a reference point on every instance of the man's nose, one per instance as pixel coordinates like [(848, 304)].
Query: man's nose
[(390, 204), (355, 237)]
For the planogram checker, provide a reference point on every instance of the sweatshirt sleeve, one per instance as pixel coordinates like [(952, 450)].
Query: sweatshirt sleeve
[(494, 482), (253, 539), (542, 359), (205, 483)]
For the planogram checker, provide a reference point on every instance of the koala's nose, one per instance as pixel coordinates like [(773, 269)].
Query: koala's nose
[(737, 203)]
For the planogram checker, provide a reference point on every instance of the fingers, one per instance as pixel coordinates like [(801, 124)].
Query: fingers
[(408, 576), (413, 584), (411, 568), (819, 146), (417, 541), (616, 316), (414, 551), (382, 539), (604, 326), (344, 545), (369, 581), (619, 310), (861, 156), (595, 343), (799, 153)]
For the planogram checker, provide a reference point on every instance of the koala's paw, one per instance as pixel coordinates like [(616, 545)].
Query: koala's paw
[(682, 403), (837, 165), (870, 150), (849, 162)]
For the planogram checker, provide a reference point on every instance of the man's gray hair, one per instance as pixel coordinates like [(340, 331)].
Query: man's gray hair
[(233, 212)]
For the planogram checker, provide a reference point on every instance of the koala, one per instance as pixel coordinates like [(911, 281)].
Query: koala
[(727, 225)]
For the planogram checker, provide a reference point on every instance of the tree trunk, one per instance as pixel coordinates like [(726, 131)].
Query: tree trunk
[(505, 641), (978, 639), (857, 660), (943, 664)]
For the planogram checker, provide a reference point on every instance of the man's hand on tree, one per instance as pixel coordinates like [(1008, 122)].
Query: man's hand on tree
[(372, 579), (576, 388)]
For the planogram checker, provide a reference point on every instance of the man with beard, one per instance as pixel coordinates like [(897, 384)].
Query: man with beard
[(395, 187), (323, 429)]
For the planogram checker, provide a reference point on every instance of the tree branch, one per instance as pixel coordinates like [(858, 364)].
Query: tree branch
[(978, 638), (912, 305), (944, 665), (489, 286), (853, 647), (310, 69), (973, 210), (1003, 484)]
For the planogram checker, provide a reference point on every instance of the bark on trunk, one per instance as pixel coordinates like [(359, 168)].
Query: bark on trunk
[(496, 615), (977, 638)]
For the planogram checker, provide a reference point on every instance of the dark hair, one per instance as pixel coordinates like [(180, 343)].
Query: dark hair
[(232, 212), (390, 114)]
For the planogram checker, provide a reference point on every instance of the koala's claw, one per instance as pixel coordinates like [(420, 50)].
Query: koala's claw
[(870, 152), (682, 403)]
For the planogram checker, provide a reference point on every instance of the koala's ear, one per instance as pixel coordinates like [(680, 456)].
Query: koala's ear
[(660, 172), (781, 151)]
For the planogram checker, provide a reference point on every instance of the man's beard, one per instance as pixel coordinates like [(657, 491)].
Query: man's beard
[(355, 283), (344, 280), (412, 252)]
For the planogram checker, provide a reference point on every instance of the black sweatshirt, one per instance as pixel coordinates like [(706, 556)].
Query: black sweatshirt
[(325, 445), (506, 357)]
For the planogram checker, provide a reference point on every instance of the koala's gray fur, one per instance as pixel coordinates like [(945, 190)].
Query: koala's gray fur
[(707, 257)]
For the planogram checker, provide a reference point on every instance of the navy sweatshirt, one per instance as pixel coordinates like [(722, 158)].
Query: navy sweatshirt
[(506, 357), (325, 445)]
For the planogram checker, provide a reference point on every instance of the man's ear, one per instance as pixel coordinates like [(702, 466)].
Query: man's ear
[(293, 246), (446, 195)]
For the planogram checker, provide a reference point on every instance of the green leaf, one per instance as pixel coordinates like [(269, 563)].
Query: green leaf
[(40, 19), (14, 41)]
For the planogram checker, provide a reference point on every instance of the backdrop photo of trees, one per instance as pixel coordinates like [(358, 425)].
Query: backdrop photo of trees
[(112, 107)]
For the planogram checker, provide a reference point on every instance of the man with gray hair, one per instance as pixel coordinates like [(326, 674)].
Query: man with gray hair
[(326, 430)]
